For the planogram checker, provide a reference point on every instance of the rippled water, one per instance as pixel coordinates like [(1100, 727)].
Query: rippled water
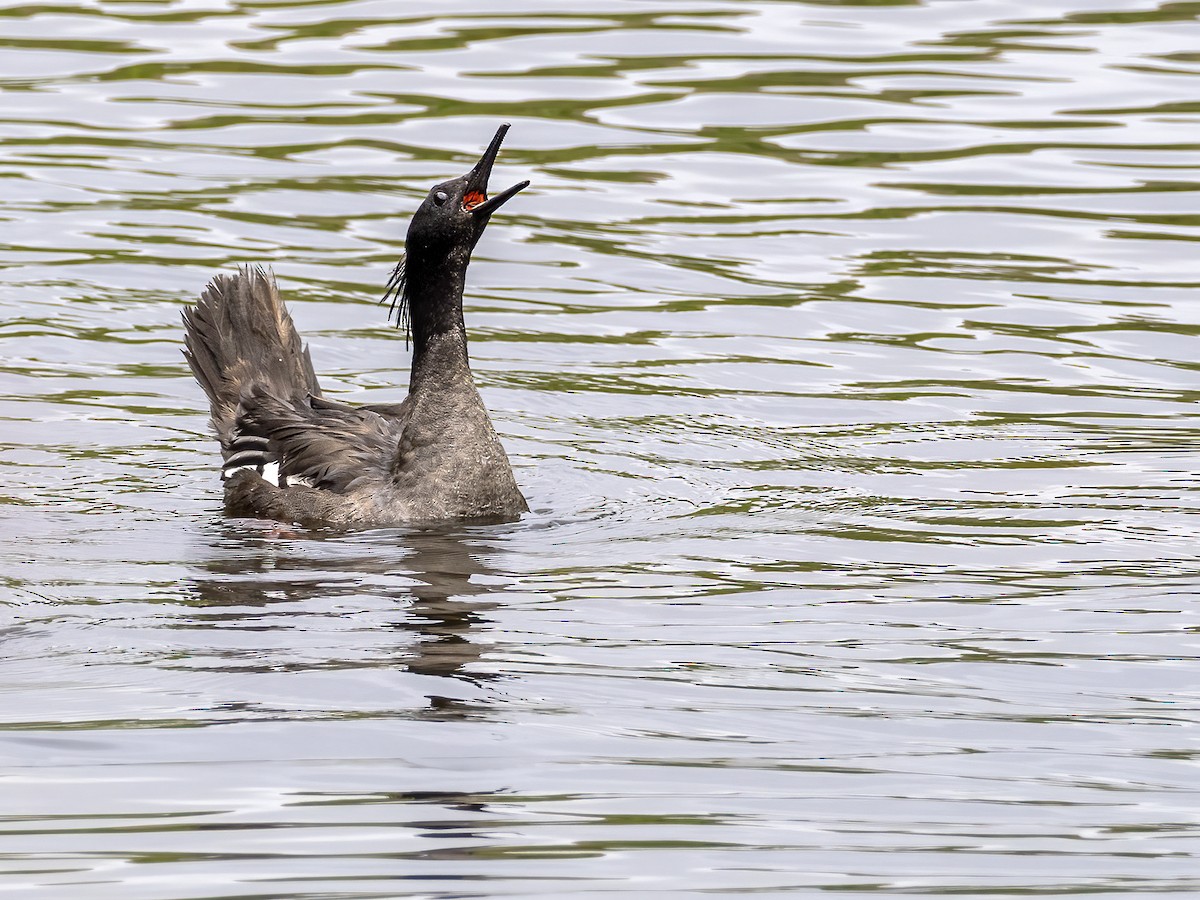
[(845, 351)]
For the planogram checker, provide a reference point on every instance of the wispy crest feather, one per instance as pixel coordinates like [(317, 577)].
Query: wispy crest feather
[(396, 293)]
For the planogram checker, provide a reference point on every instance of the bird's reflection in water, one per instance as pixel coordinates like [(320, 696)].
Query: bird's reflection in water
[(439, 582)]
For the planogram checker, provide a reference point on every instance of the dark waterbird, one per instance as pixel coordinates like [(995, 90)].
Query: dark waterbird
[(296, 456)]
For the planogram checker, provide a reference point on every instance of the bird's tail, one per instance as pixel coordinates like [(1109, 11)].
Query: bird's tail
[(240, 337)]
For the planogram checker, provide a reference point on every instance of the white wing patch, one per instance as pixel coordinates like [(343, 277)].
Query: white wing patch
[(270, 473)]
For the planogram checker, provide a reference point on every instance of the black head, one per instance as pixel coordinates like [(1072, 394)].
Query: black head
[(455, 212), (448, 224)]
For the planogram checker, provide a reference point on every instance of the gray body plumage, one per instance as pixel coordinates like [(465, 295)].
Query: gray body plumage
[(434, 457)]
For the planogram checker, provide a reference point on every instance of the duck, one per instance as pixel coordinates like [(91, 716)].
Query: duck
[(291, 454)]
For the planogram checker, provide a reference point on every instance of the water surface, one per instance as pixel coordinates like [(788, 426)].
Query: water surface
[(845, 351)]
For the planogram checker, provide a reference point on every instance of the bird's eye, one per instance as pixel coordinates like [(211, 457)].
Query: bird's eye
[(440, 197)]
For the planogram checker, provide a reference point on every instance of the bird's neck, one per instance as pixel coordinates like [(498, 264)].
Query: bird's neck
[(435, 291)]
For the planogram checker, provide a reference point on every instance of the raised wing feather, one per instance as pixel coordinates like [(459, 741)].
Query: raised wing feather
[(321, 443)]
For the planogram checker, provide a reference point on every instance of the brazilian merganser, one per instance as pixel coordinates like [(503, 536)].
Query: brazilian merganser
[(292, 455)]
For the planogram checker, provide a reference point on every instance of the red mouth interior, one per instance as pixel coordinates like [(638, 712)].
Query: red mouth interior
[(473, 198)]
